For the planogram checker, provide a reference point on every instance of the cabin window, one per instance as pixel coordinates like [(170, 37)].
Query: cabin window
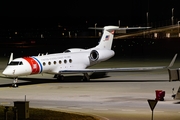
[(60, 62), (44, 63), (49, 63), (70, 60), (54, 62), (65, 61)]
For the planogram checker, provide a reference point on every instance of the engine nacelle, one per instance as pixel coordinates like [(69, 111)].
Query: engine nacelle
[(101, 55), (74, 50), (94, 55)]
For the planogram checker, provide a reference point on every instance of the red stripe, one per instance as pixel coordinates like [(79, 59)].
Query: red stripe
[(34, 65)]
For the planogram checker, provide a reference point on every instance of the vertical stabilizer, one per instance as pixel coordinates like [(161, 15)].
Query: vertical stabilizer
[(107, 37)]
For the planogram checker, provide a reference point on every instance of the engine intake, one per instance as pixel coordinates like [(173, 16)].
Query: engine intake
[(94, 55)]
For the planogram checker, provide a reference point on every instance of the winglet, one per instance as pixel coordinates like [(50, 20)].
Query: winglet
[(11, 58), (172, 61)]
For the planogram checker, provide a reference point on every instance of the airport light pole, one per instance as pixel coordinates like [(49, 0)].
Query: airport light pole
[(147, 19), (178, 26), (95, 28), (172, 18), (119, 23)]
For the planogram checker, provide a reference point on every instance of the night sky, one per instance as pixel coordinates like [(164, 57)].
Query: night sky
[(129, 12)]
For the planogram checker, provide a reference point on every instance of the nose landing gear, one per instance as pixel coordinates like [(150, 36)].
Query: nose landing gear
[(14, 84)]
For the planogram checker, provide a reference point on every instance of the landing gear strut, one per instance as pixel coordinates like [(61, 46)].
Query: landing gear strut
[(14, 84), (86, 77), (59, 77)]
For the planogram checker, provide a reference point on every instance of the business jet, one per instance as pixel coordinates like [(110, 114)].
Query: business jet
[(72, 61)]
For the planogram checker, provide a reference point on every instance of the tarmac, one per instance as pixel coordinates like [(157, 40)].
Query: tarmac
[(111, 96)]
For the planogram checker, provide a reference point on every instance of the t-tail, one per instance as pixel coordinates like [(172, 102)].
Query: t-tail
[(108, 35), (107, 38)]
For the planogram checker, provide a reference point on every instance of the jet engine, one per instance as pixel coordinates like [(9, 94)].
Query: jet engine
[(94, 55), (100, 55)]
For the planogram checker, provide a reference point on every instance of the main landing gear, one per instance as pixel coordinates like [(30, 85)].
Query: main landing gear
[(15, 81), (59, 77), (85, 78)]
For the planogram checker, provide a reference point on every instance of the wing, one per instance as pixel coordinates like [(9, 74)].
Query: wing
[(113, 69), (132, 69)]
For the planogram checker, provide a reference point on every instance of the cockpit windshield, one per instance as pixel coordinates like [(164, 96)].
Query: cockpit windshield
[(16, 63)]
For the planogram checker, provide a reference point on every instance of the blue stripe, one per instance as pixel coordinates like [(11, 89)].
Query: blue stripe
[(39, 64)]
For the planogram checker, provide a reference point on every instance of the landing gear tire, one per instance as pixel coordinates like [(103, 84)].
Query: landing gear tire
[(14, 84), (60, 77)]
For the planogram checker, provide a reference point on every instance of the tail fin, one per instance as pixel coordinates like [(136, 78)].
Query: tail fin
[(107, 37)]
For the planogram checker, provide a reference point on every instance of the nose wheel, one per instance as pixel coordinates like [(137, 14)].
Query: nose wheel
[(14, 84)]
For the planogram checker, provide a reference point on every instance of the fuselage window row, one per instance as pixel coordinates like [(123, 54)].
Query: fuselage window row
[(60, 62)]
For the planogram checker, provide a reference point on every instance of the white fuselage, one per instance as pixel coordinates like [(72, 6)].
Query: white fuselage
[(54, 63), (75, 59)]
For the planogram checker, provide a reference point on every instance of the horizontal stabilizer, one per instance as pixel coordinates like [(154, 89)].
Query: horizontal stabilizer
[(118, 28)]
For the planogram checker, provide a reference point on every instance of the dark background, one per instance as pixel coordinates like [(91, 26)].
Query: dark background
[(33, 18), (129, 12)]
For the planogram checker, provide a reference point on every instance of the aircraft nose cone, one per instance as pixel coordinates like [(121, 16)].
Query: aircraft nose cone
[(7, 72)]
